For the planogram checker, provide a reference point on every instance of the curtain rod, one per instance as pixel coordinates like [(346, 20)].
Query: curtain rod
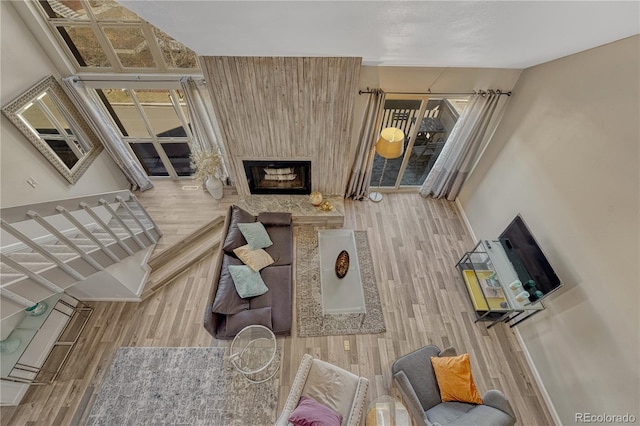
[(137, 78), (429, 92)]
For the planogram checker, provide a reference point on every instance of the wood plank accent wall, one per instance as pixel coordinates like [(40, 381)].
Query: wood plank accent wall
[(296, 108)]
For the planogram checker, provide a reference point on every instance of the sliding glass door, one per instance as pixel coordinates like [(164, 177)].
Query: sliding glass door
[(426, 123)]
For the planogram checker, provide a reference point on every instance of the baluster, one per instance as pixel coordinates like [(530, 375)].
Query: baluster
[(35, 277), (106, 227), (45, 253), (49, 227), (88, 233), (136, 220), (121, 222)]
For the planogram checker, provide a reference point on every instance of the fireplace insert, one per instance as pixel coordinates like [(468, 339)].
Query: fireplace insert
[(278, 177)]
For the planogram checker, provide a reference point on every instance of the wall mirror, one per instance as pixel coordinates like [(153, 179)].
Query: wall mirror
[(49, 120)]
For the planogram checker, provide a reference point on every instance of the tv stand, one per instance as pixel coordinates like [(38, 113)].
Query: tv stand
[(488, 273)]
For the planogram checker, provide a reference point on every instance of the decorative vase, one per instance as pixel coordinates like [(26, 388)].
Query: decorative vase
[(316, 198), (9, 345), (37, 309), (214, 186)]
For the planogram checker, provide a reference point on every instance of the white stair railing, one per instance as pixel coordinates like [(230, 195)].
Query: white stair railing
[(74, 238)]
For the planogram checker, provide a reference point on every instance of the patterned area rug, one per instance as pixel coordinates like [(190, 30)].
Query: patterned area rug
[(181, 386), (309, 299)]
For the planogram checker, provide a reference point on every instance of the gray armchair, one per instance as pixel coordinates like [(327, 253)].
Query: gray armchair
[(416, 381)]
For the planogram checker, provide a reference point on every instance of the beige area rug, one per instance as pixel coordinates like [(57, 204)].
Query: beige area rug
[(309, 299), (181, 386)]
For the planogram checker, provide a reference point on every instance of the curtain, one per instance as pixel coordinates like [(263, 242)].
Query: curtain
[(202, 120), (104, 129), (462, 149), (360, 176)]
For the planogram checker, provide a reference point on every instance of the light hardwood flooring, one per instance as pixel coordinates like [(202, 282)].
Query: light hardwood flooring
[(415, 244)]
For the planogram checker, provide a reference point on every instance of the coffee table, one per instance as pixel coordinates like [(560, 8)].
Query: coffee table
[(340, 295), (253, 351), (387, 411)]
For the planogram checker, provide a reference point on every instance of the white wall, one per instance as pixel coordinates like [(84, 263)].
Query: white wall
[(25, 63), (566, 157)]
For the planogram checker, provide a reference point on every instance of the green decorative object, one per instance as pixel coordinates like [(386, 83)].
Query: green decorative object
[(9, 345), (37, 309)]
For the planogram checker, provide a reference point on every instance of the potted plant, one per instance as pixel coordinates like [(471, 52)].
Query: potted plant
[(208, 166)]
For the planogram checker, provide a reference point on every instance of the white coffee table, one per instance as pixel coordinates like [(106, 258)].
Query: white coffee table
[(253, 351), (340, 295)]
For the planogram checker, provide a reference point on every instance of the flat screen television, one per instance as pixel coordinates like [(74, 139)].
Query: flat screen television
[(527, 257)]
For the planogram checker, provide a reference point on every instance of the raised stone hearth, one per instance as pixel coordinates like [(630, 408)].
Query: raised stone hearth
[(301, 209)]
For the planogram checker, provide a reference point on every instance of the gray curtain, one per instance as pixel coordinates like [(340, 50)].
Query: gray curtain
[(360, 176), (103, 127), (202, 117), (462, 149)]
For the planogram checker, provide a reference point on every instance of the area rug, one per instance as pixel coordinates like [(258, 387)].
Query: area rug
[(309, 299), (181, 386)]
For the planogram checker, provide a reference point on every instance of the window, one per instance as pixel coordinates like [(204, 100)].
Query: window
[(426, 123), (154, 123), (102, 36)]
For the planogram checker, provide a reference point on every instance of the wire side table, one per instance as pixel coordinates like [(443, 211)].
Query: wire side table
[(253, 352)]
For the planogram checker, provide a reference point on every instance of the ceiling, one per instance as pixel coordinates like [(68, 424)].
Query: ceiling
[(487, 34)]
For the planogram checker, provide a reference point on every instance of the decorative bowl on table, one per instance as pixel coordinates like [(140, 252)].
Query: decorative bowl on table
[(316, 198), (342, 264)]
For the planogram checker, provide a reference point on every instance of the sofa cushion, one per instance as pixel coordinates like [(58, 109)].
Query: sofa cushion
[(455, 380), (282, 249), (274, 219), (227, 301), (247, 281), (279, 281), (236, 322), (234, 237), (310, 412), (257, 237), (255, 259), (461, 414)]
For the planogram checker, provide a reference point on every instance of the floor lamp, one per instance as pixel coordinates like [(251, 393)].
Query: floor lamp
[(389, 145)]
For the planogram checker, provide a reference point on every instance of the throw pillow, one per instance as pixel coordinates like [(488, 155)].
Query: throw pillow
[(227, 300), (234, 238), (260, 316), (454, 378), (247, 281), (310, 412), (255, 259), (255, 234)]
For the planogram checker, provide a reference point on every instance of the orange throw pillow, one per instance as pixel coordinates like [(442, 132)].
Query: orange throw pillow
[(455, 381)]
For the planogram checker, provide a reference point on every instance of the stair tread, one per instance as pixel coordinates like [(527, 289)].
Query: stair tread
[(177, 258)]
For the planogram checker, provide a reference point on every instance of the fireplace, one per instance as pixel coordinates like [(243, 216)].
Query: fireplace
[(278, 177)]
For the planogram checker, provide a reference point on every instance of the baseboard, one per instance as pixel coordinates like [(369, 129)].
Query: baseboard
[(527, 356), (465, 219), (537, 378), (110, 299)]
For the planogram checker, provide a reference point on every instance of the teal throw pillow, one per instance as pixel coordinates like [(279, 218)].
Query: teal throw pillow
[(255, 234), (248, 282)]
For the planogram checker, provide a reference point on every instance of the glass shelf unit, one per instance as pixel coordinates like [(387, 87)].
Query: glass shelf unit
[(487, 273), (45, 341)]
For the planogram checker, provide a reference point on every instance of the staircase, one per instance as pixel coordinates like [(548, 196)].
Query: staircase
[(167, 265), (74, 245)]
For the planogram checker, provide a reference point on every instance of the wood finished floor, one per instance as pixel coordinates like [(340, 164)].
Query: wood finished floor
[(415, 244)]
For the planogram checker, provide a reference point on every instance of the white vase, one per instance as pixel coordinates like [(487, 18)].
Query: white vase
[(214, 186)]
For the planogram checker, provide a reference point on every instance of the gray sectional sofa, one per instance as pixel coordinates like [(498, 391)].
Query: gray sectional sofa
[(226, 312)]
